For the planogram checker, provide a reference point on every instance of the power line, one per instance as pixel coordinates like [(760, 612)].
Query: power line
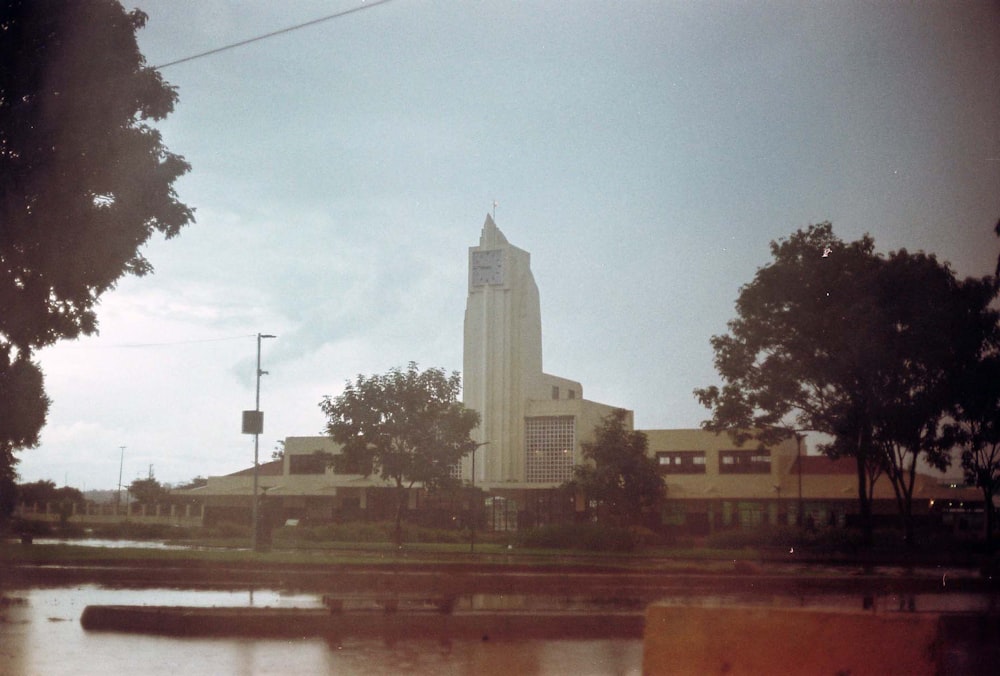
[(296, 27), (182, 342), (163, 344)]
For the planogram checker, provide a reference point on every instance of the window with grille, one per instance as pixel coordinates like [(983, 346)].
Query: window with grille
[(745, 462), (681, 462), (308, 463), (549, 444)]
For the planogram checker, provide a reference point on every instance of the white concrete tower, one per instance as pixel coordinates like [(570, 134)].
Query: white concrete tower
[(502, 362)]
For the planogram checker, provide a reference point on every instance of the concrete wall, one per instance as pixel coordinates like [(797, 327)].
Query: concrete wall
[(770, 641), (90, 513)]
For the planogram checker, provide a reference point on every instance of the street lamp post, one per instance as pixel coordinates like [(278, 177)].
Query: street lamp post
[(474, 501), (118, 498), (257, 429), (798, 463)]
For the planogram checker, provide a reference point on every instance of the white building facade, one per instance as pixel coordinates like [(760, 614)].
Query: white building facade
[(532, 423)]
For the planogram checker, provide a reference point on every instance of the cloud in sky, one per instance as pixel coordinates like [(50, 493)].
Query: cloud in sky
[(644, 154)]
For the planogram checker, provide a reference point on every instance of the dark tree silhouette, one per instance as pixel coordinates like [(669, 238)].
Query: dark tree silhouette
[(834, 338), (975, 428), (85, 181), (147, 491)]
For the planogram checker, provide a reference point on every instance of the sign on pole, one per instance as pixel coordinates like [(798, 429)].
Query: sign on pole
[(253, 422)]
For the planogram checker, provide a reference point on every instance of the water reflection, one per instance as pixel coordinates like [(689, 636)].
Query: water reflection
[(123, 544), (42, 635)]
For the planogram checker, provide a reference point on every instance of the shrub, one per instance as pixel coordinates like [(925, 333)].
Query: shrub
[(645, 537), (585, 536), (823, 539), (128, 530), (226, 530), (30, 527), (368, 532)]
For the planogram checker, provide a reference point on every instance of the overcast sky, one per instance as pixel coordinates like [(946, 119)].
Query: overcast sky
[(644, 153)]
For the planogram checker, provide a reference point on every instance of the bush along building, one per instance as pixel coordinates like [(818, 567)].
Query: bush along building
[(530, 436)]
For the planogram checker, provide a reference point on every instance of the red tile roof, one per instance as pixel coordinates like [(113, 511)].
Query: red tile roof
[(272, 468), (820, 464)]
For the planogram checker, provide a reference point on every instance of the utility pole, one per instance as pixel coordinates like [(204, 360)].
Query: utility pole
[(474, 504), (118, 499), (253, 423)]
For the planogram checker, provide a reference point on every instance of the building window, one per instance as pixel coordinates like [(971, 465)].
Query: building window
[(549, 444), (571, 394), (757, 461), (501, 514), (308, 463), (555, 392), (681, 462)]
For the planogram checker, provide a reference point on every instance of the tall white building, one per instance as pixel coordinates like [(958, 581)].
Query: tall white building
[(531, 423)]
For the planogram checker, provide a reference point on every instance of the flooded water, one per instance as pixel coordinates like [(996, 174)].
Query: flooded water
[(122, 544), (40, 635)]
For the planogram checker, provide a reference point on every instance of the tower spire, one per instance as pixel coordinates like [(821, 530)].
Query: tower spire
[(491, 235)]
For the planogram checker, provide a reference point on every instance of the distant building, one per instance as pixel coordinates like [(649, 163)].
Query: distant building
[(532, 428)]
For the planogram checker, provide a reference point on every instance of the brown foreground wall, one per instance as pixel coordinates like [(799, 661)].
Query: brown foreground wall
[(775, 641), (395, 624)]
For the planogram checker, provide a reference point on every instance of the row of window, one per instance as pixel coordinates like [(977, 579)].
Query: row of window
[(550, 441), (756, 461)]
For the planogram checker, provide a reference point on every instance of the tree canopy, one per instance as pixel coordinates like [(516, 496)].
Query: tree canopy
[(45, 491), (619, 475), (975, 427), (406, 426), (85, 181), (147, 491), (832, 337)]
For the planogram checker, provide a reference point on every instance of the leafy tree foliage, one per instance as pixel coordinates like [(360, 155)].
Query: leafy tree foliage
[(620, 476), (147, 491), (791, 359), (23, 406), (45, 491), (975, 427), (834, 338), (197, 482), (45, 494), (935, 328), (279, 451), (406, 426), (84, 182)]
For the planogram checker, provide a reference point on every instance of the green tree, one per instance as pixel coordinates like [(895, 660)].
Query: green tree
[(406, 426), (197, 482), (934, 329), (975, 428), (45, 491), (23, 407), (147, 491), (834, 338), (279, 451), (85, 181), (618, 474), (793, 358)]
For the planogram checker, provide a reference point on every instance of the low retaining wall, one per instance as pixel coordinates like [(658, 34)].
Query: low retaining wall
[(773, 641), (302, 622)]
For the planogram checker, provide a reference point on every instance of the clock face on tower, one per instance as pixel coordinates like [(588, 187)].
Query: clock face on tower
[(487, 267)]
